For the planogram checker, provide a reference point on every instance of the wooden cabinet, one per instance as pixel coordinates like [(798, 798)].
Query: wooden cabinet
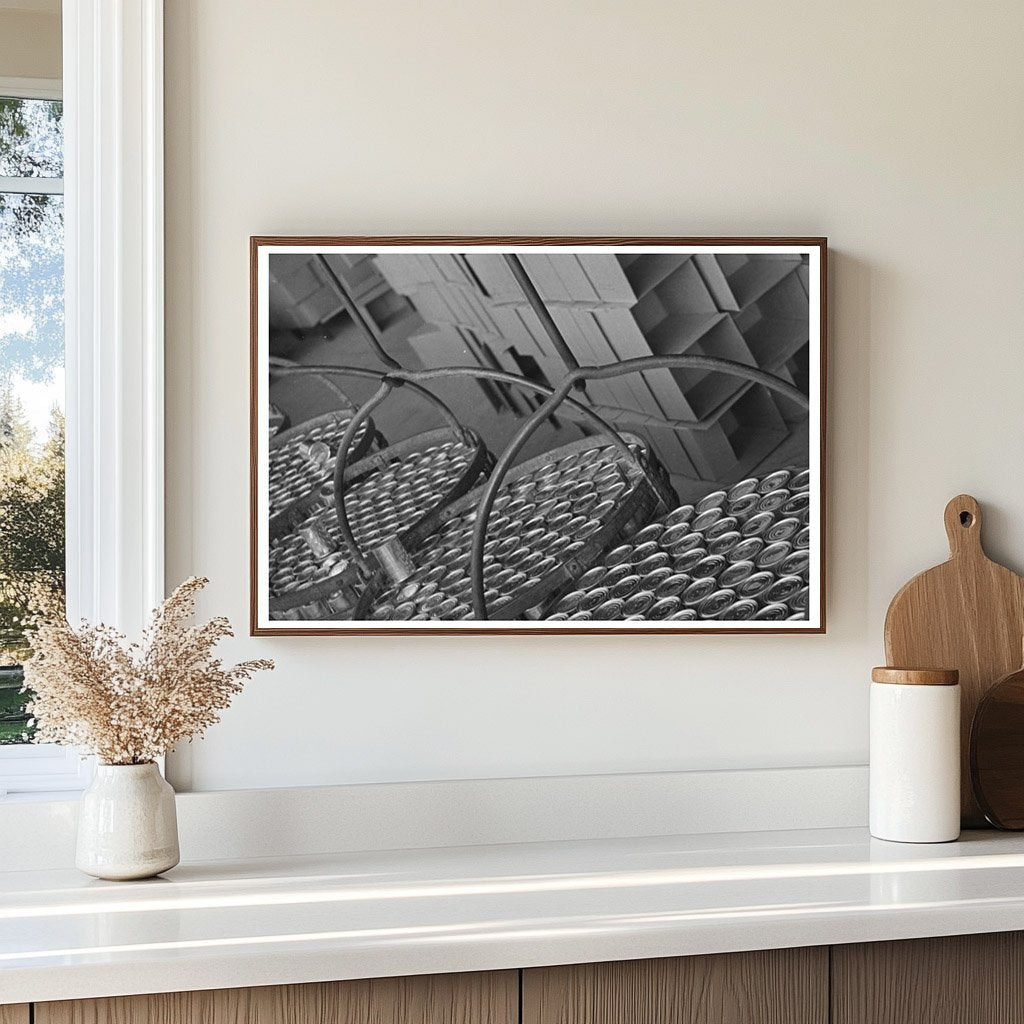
[(970, 979), (962, 979), (491, 998), (778, 986)]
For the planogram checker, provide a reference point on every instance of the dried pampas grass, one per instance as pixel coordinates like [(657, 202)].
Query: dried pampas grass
[(130, 703)]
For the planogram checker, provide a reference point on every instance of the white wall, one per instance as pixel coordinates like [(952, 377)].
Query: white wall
[(895, 129)]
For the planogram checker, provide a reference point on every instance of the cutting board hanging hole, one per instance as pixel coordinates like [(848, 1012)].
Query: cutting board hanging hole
[(963, 526)]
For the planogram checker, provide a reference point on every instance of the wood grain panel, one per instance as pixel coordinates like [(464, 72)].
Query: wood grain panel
[(779, 986), (962, 979), (14, 1014), (483, 998)]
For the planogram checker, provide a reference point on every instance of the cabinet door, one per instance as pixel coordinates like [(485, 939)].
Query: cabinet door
[(779, 986), (962, 979), (490, 998), (14, 1014)]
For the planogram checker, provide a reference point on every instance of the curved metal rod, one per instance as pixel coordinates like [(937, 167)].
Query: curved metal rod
[(377, 375), (727, 366), (387, 386), (487, 499), (344, 446), (638, 365), (279, 362), (361, 414), (480, 372)]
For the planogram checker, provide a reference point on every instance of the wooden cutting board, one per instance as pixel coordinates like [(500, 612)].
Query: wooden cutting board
[(967, 614), (997, 752)]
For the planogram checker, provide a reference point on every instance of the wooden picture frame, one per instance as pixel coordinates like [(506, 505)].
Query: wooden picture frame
[(612, 380)]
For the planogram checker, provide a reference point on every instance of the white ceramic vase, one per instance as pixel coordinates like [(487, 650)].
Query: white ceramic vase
[(127, 825)]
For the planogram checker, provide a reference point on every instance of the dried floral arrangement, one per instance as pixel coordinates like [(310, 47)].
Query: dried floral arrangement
[(129, 703)]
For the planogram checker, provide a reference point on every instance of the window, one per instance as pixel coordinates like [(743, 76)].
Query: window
[(32, 532), (111, 200), (31, 382)]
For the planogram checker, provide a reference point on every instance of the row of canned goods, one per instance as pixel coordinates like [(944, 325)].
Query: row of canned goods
[(379, 506), (578, 534), (556, 510), (737, 554), (301, 458)]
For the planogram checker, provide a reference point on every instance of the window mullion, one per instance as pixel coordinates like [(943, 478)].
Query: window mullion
[(32, 186)]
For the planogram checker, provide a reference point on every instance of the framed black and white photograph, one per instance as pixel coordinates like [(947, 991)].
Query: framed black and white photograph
[(537, 435)]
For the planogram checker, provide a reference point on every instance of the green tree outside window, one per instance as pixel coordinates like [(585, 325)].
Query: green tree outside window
[(32, 544)]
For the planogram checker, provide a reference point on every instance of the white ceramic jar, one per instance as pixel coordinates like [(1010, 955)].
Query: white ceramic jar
[(127, 823), (915, 755)]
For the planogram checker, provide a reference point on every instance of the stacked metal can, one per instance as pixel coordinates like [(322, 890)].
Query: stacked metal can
[(276, 422), (380, 506), (302, 457), (737, 554), (550, 512)]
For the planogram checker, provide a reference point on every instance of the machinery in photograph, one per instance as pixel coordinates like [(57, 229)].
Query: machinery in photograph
[(353, 500), (552, 517)]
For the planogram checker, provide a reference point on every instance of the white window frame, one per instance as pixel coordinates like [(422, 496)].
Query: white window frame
[(114, 323), (37, 767), (31, 89)]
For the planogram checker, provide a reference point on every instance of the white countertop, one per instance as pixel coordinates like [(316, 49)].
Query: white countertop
[(352, 915)]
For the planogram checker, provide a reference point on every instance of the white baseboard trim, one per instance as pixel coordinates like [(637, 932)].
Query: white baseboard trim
[(242, 824)]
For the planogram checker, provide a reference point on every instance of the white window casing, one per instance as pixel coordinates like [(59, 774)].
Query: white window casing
[(113, 185), (113, 111)]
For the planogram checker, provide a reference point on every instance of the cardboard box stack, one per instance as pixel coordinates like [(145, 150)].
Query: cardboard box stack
[(304, 294), (752, 309)]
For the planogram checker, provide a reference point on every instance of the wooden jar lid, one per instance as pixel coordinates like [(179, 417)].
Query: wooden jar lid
[(916, 676)]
